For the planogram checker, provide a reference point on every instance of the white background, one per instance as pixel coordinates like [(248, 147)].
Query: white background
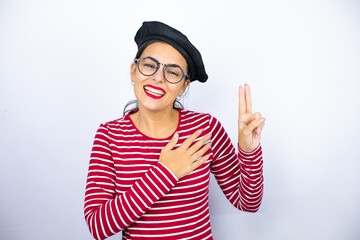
[(64, 69)]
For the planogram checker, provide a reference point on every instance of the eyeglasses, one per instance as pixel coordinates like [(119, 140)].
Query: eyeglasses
[(148, 66)]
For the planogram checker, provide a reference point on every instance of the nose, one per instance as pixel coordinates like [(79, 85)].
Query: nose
[(159, 75)]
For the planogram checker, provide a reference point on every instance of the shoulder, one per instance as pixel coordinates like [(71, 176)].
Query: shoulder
[(192, 121), (117, 124), (117, 129), (194, 117)]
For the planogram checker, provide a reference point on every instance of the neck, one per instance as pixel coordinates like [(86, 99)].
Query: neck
[(156, 124)]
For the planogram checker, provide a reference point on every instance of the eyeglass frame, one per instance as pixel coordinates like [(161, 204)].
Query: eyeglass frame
[(137, 60)]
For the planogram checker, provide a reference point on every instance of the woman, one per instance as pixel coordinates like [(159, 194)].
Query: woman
[(149, 170)]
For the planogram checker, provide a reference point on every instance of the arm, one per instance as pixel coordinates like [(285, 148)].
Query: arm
[(107, 213), (238, 175)]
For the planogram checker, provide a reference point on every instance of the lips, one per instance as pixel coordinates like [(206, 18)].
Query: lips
[(154, 92)]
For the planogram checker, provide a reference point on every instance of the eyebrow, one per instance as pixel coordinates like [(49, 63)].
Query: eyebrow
[(171, 64)]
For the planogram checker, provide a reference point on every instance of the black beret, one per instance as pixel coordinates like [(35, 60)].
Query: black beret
[(160, 31)]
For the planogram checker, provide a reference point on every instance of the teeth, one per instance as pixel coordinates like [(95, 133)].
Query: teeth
[(154, 91)]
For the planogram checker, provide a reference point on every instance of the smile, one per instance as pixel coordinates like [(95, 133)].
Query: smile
[(154, 92)]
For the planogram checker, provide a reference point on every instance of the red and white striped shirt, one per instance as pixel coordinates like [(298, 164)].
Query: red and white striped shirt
[(129, 190)]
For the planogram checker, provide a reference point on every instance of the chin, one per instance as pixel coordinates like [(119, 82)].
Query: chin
[(153, 107)]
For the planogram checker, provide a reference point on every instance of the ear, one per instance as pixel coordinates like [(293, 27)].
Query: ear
[(184, 87), (132, 70)]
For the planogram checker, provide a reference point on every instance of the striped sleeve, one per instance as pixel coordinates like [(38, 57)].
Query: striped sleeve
[(106, 213), (239, 175)]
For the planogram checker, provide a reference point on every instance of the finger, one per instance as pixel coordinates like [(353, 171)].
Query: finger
[(171, 144), (248, 99), (200, 162), (258, 130), (247, 118), (253, 125), (262, 124), (261, 121), (242, 103), (256, 116), (202, 151), (194, 148), (186, 144)]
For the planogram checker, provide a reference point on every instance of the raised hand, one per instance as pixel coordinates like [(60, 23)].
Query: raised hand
[(185, 159), (250, 125)]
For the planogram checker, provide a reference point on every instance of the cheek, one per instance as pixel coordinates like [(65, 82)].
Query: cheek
[(181, 90), (138, 78), (137, 86), (135, 76)]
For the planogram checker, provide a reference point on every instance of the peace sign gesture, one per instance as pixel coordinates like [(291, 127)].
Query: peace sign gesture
[(250, 125)]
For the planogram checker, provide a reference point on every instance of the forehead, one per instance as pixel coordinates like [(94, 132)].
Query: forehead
[(165, 53)]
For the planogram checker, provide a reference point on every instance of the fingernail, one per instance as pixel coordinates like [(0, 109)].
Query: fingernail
[(208, 136), (208, 145), (261, 120), (176, 135), (200, 130)]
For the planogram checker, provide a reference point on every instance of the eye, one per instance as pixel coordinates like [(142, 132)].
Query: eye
[(175, 73), (149, 65)]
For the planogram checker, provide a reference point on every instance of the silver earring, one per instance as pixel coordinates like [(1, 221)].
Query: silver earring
[(132, 83)]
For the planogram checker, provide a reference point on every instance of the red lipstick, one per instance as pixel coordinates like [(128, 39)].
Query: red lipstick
[(154, 92)]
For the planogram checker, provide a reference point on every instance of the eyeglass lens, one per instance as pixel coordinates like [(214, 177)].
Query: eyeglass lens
[(172, 73)]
